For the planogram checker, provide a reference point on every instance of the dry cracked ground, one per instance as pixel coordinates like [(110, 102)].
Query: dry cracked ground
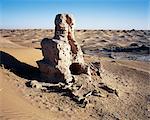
[(129, 75)]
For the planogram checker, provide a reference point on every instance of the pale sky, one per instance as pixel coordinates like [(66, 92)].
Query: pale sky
[(89, 14)]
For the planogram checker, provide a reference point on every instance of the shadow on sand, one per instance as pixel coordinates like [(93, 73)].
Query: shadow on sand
[(19, 68)]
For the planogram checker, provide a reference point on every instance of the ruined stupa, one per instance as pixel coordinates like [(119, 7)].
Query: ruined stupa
[(63, 64), (63, 57)]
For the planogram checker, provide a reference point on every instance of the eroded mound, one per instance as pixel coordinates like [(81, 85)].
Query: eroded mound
[(63, 64)]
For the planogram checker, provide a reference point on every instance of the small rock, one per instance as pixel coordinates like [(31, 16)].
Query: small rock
[(36, 84)]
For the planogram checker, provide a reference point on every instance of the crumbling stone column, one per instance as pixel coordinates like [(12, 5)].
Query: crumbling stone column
[(63, 57)]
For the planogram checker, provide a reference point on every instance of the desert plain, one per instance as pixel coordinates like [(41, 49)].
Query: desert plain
[(125, 67)]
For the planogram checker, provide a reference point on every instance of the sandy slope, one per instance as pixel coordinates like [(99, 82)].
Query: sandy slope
[(26, 55), (130, 80), (13, 106), (8, 44), (18, 102)]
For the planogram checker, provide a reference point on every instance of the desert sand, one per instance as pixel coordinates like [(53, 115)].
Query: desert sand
[(20, 49)]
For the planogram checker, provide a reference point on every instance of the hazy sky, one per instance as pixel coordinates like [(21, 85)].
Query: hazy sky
[(89, 14)]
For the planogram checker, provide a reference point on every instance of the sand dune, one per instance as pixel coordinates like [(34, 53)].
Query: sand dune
[(32, 55), (13, 106), (8, 44)]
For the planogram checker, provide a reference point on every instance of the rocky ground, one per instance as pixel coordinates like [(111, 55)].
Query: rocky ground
[(20, 49)]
